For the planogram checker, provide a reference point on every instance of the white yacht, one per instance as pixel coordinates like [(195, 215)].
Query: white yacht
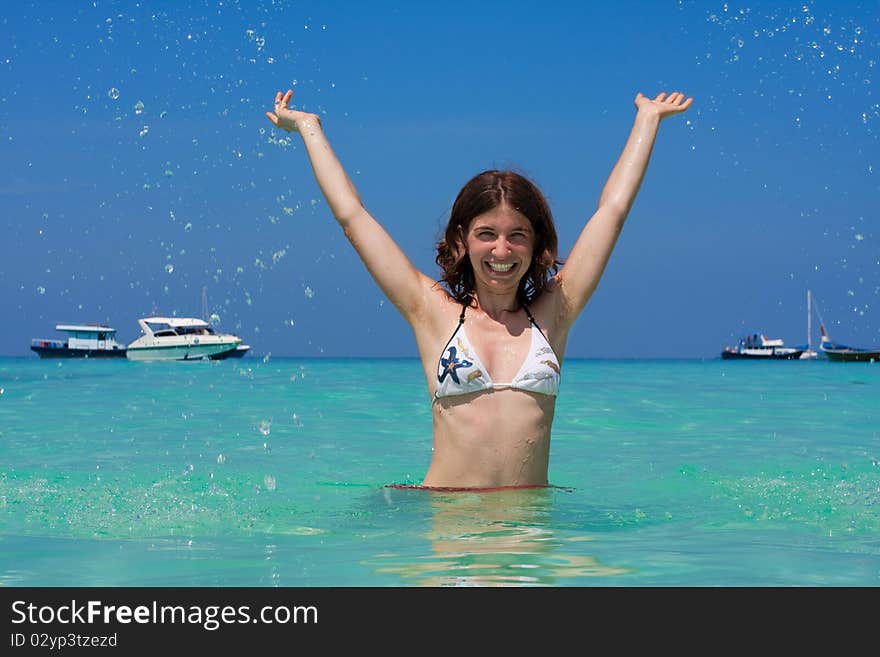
[(180, 338)]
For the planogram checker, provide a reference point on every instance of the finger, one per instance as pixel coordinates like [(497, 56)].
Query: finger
[(686, 104), (272, 118), (660, 96), (673, 97), (288, 96), (277, 97)]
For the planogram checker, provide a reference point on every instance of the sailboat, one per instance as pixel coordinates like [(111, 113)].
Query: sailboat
[(835, 351), (809, 352), (841, 353)]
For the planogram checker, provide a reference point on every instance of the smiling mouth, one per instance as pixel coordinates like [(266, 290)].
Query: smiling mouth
[(500, 268)]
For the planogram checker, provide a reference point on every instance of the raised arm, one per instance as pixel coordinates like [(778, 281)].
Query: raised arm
[(585, 264), (401, 282)]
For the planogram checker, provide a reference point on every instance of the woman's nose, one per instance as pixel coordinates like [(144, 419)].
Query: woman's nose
[(501, 247)]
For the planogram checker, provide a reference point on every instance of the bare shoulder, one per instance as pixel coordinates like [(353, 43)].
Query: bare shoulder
[(546, 308), (437, 312), (553, 314), (422, 303)]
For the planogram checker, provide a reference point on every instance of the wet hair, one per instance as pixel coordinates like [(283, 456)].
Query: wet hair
[(483, 193)]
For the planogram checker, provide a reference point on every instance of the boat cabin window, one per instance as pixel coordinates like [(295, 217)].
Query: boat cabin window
[(196, 330), (168, 331)]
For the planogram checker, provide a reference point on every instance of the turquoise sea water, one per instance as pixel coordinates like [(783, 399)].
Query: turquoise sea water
[(272, 473)]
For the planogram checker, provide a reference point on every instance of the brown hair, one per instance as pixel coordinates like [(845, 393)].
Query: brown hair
[(483, 193)]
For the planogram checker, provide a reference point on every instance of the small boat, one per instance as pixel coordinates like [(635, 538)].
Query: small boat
[(180, 338), (757, 346), (841, 353), (83, 341)]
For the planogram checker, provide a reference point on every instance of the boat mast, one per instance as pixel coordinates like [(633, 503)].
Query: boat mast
[(809, 324), (205, 302)]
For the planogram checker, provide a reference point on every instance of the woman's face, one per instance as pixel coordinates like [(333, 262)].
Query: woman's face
[(500, 244)]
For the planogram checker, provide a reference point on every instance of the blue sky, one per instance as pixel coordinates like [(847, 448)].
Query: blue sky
[(139, 167)]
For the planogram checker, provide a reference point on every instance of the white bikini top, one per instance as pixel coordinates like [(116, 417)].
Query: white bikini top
[(460, 371)]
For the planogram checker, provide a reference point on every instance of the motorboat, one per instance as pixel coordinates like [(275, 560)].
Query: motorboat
[(758, 346), (180, 338), (83, 341)]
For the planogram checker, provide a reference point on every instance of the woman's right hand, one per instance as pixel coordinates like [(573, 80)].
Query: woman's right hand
[(288, 119)]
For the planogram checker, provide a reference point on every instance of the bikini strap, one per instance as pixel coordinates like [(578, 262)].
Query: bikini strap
[(460, 322), (531, 319), (534, 323)]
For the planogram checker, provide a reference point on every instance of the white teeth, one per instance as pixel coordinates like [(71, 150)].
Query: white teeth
[(499, 267)]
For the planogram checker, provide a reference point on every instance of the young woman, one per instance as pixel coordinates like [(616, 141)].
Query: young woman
[(492, 332)]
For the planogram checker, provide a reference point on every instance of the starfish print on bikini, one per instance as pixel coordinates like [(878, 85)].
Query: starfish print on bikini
[(450, 364)]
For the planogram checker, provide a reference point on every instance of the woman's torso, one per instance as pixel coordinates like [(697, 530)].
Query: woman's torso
[(492, 425)]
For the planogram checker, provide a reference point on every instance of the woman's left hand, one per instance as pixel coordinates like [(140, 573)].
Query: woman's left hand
[(663, 105)]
